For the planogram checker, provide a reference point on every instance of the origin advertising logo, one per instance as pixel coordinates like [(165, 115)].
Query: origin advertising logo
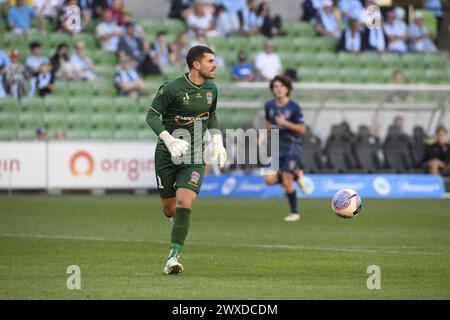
[(82, 164)]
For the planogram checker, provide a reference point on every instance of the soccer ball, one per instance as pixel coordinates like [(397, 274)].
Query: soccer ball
[(346, 203)]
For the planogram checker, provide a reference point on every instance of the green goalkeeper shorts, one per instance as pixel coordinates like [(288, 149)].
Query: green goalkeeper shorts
[(170, 176)]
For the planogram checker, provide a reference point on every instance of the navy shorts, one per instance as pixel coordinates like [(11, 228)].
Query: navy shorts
[(290, 163)]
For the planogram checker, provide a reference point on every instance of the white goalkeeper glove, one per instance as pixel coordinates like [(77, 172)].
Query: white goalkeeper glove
[(219, 153), (176, 147)]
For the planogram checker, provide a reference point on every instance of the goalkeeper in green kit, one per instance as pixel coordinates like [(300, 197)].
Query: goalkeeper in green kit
[(187, 106)]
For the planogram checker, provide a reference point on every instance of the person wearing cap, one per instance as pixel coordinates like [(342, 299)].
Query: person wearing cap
[(19, 17), (396, 33), (421, 38), (15, 75), (130, 45), (243, 70), (33, 64), (326, 23), (41, 134)]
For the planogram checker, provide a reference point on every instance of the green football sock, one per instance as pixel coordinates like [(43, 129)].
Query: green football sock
[(180, 230)]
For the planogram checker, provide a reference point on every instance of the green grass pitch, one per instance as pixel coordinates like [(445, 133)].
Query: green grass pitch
[(236, 249)]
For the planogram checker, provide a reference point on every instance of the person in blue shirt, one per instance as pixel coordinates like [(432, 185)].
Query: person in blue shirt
[(242, 71), (19, 17), (286, 116)]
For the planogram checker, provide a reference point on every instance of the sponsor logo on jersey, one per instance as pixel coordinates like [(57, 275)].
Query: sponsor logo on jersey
[(198, 95), (209, 97), (195, 176), (186, 120)]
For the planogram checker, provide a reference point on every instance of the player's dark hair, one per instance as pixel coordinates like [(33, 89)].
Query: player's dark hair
[(284, 80), (195, 54)]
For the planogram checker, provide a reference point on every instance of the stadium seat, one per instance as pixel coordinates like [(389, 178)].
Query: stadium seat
[(13, 40), (57, 38), (103, 105), (327, 60), (26, 134), (174, 26), (238, 43), (9, 104), (81, 105), (104, 57), (126, 134), (284, 45), (257, 43), (304, 45), (371, 60), (392, 61), (366, 149), (414, 75), (434, 61), (102, 134), (79, 122), (351, 75), (220, 43), (103, 88), (308, 75), (311, 152), (325, 44), (415, 61), (128, 121), (147, 134), (55, 120), (329, 75), (418, 146), (31, 121), (349, 61), (74, 134), (106, 71), (88, 39), (372, 76), (8, 134), (299, 29), (437, 76), (396, 151), (9, 120), (151, 26), (56, 104), (33, 104), (307, 59), (41, 37), (338, 151), (102, 121)]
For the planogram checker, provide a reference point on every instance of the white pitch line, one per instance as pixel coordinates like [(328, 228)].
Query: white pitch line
[(258, 246)]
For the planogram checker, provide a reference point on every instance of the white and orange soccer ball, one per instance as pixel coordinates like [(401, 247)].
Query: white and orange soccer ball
[(346, 203)]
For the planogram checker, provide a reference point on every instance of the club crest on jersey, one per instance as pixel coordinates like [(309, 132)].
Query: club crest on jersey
[(186, 98), (209, 97), (195, 176)]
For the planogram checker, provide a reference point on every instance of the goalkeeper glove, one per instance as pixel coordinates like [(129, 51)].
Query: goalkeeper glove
[(176, 147), (219, 153)]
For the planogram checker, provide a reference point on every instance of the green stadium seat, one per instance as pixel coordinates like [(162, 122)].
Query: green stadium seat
[(304, 44), (328, 60), (437, 76), (88, 39), (9, 104), (325, 44), (57, 38), (128, 121), (79, 121), (126, 105), (147, 134), (300, 29), (103, 105), (8, 134), (308, 75), (371, 60), (102, 134), (353, 75), (329, 75), (57, 104), (289, 59), (126, 134), (26, 134), (223, 75), (413, 61), (257, 43), (106, 71), (80, 88), (349, 60), (62, 89), (40, 37), (434, 61), (13, 40), (31, 121), (282, 44), (151, 26), (103, 121), (55, 120), (220, 43), (75, 134), (104, 57), (238, 43), (9, 120), (104, 88), (307, 59), (372, 75), (414, 75), (174, 26), (33, 104), (391, 61)]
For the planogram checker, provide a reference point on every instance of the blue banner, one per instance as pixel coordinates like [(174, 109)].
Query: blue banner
[(326, 185)]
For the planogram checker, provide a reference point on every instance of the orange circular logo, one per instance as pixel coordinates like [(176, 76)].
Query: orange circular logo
[(87, 157)]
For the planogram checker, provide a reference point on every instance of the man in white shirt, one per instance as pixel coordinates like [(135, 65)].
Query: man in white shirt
[(396, 34), (82, 62), (108, 33), (421, 38), (267, 63)]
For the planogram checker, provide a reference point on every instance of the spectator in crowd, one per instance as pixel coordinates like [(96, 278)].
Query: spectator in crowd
[(160, 50), (267, 63), (326, 23), (269, 26), (179, 9), (130, 45), (66, 17), (200, 20), (374, 39), (41, 134), (4, 61), (82, 62), (199, 40), (435, 6), (4, 58), (309, 11), (86, 13), (45, 80), (19, 17), (47, 11), (250, 19), (15, 75), (139, 31), (60, 134), (33, 65), (396, 34), (233, 6), (350, 9), (117, 10), (108, 33), (421, 38), (242, 70), (399, 124), (62, 67), (220, 61), (127, 80), (351, 39), (179, 49), (226, 23), (437, 153), (99, 6), (398, 96)]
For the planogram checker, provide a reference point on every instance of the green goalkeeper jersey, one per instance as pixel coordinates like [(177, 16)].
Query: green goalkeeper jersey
[(184, 105)]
